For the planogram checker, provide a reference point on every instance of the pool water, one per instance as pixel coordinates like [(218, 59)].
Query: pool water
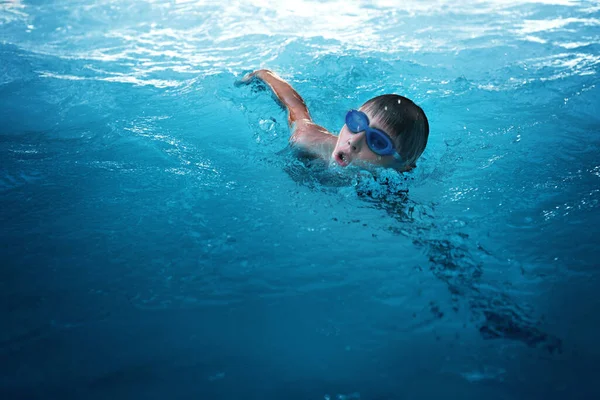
[(160, 241)]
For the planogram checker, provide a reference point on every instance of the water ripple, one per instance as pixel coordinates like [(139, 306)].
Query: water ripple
[(162, 45)]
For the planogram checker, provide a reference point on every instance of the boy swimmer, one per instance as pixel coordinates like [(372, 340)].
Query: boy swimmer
[(387, 131)]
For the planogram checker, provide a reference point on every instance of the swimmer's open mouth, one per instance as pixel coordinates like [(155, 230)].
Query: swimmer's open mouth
[(341, 159)]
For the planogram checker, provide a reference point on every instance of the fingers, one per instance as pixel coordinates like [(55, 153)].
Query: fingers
[(246, 79), (251, 75)]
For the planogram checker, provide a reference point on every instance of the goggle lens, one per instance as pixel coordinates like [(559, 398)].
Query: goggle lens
[(378, 141)]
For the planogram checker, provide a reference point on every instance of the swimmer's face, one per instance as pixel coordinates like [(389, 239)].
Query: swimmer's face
[(352, 147)]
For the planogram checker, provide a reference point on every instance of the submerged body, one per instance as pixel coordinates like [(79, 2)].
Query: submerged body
[(387, 131)]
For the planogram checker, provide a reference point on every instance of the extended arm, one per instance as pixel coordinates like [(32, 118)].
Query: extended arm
[(306, 135), (285, 93)]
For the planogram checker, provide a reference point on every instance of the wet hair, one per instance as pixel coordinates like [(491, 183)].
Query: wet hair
[(404, 121)]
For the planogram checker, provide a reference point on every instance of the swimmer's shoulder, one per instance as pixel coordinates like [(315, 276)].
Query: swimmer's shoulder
[(311, 138)]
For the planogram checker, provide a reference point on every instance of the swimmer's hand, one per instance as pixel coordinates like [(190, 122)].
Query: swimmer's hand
[(284, 94), (251, 76)]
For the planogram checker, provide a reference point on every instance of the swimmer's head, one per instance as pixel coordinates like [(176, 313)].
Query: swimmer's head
[(400, 119)]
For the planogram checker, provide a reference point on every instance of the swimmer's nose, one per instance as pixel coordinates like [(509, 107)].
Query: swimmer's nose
[(355, 142)]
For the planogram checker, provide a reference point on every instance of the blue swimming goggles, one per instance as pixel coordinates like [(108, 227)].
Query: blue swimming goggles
[(377, 140)]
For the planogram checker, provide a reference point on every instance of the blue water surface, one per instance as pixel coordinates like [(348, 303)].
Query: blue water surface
[(158, 241)]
